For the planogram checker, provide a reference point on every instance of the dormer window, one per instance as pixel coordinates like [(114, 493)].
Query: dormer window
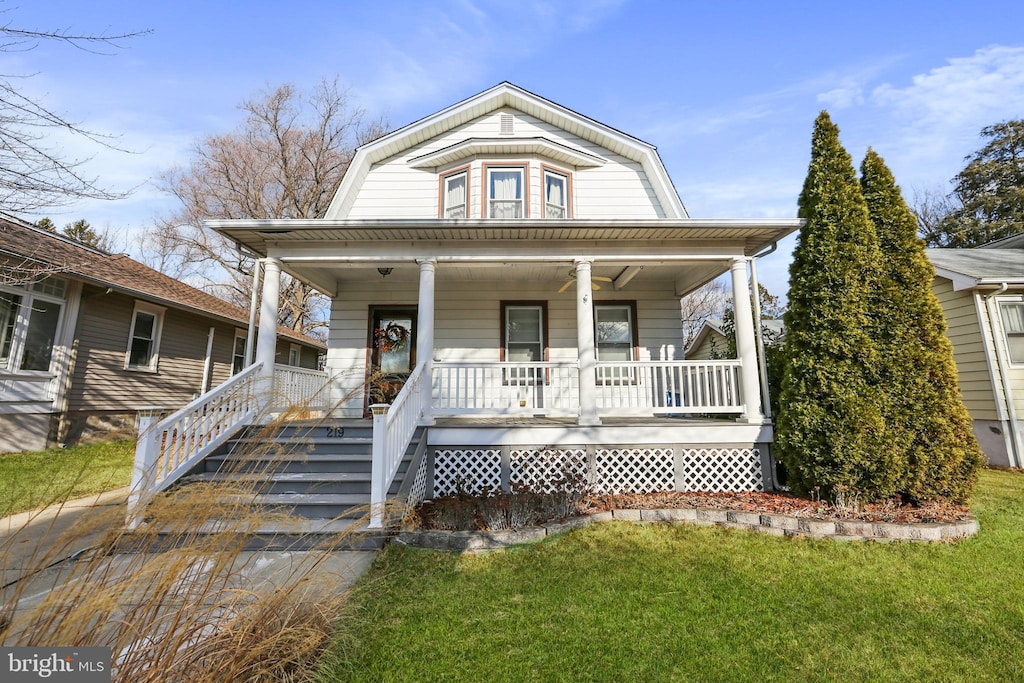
[(455, 194), (556, 194), (506, 191)]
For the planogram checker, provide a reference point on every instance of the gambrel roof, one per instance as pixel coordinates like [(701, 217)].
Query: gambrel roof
[(508, 95)]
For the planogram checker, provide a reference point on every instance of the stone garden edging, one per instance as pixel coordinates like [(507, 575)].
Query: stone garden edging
[(762, 522)]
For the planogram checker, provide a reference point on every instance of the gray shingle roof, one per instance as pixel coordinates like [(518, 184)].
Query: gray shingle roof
[(23, 241), (982, 265)]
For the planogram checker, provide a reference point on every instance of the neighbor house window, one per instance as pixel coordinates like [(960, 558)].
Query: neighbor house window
[(144, 338), (524, 339), (506, 192), (29, 324), (294, 355), (455, 194), (556, 194), (615, 338), (238, 352), (1013, 327)]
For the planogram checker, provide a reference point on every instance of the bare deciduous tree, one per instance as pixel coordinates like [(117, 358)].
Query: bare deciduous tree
[(932, 206), (707, 301), (285, 161), (34, 173)]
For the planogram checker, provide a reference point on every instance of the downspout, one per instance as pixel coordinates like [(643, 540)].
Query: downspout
[(208, 363), (995, 324), (762, 363)]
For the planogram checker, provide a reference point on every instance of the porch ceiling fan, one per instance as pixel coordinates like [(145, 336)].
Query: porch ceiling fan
[(593, 281)]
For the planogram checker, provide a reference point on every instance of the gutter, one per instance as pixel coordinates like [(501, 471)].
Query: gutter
[(1016, 453)]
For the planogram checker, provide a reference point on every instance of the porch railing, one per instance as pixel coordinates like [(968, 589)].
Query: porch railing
[(393, 429), (623, 388), (169, 449), (503, 388), (294, 386), (643, 387)]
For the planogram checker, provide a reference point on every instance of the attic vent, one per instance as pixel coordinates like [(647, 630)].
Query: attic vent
[(507, 124)]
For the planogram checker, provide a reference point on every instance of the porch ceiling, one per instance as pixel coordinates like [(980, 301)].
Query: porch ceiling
[(328, 253), (683, 278)]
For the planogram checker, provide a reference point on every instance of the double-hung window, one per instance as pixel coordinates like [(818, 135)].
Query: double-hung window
[(455, 194), (238, 352), (556, 194), (144, 339), (523, 340), (29, 324), (506, 192), (1013, 327), (615, 338)]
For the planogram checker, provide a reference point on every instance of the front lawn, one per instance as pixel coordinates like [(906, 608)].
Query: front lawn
[(35, 479), (620, 602)]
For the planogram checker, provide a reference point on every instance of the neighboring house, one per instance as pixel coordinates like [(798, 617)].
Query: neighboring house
[(514, 269), (711, 340), (88, 338), (982, 295)]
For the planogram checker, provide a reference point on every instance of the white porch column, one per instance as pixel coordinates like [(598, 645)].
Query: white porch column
[(746, 346), (425, 335), (585, 344), (266, 342)]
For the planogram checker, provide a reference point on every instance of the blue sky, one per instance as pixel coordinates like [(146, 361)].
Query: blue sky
[(728, 91)]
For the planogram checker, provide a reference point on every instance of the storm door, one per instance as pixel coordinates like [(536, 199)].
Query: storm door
[(392, 351)]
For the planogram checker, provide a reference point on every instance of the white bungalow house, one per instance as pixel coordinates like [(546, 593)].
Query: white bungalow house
[(505, 277)]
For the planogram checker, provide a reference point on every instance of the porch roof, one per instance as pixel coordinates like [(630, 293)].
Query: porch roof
[(260, 236)]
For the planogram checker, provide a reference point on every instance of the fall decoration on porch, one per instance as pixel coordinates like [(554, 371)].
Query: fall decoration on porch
[(391, 337)]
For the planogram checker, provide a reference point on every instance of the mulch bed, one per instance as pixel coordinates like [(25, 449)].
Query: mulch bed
[(781, 503)]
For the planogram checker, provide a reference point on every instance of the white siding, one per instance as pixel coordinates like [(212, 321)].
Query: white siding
[(468, 321), (617, 189)]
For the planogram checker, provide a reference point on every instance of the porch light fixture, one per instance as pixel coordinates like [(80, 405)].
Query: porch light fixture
[(384, 272)]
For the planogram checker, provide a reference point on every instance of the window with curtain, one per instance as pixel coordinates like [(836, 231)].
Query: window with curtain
[(505, 193), (144, 338), (615, 340), (455, 195), (1013, 327), (556, 197)]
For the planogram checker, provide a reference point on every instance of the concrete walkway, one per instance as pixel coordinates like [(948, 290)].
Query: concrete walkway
[(45, 550)]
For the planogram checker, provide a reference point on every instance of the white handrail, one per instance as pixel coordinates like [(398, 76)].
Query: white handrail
[(169, 449), (643, 387), (501, 388), (393, 429)]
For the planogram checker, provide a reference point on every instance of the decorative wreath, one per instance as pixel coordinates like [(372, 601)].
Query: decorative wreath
[(391, 337)]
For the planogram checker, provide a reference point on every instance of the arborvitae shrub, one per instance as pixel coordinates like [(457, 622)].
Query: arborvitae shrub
[(924, 415)]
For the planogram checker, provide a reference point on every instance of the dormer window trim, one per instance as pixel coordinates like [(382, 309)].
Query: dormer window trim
[(448, 194), (491, 170), (546, 194)]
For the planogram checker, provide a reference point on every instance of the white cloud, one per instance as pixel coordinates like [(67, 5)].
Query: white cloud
[(843, 97), (943, 110)]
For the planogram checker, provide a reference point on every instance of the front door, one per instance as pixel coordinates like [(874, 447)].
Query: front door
[(392, 345)]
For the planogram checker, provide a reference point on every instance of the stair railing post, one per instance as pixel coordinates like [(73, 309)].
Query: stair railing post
[(147, 452), (378, 496)]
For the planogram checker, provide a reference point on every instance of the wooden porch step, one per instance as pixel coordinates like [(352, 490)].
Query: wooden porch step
[(295, 482), (317, 505), (292, 535)]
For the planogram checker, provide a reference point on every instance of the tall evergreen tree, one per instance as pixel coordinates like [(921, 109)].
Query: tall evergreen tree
[(924, 415), (829, 420)]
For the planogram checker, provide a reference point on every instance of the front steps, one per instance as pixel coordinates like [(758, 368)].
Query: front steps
[(317, 472)]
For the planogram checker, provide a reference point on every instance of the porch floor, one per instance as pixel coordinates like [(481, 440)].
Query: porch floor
[(544, 421)]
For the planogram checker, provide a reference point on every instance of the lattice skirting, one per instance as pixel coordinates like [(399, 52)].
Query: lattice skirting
[(611, 469)]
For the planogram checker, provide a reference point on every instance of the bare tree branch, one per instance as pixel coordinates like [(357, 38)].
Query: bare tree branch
[(285, 161), (34, 172)]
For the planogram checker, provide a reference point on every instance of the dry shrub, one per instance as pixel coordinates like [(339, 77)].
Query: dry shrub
[(179, 598)]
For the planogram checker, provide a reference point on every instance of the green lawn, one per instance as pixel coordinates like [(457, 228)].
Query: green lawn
[(621, 602), (35, 479)]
